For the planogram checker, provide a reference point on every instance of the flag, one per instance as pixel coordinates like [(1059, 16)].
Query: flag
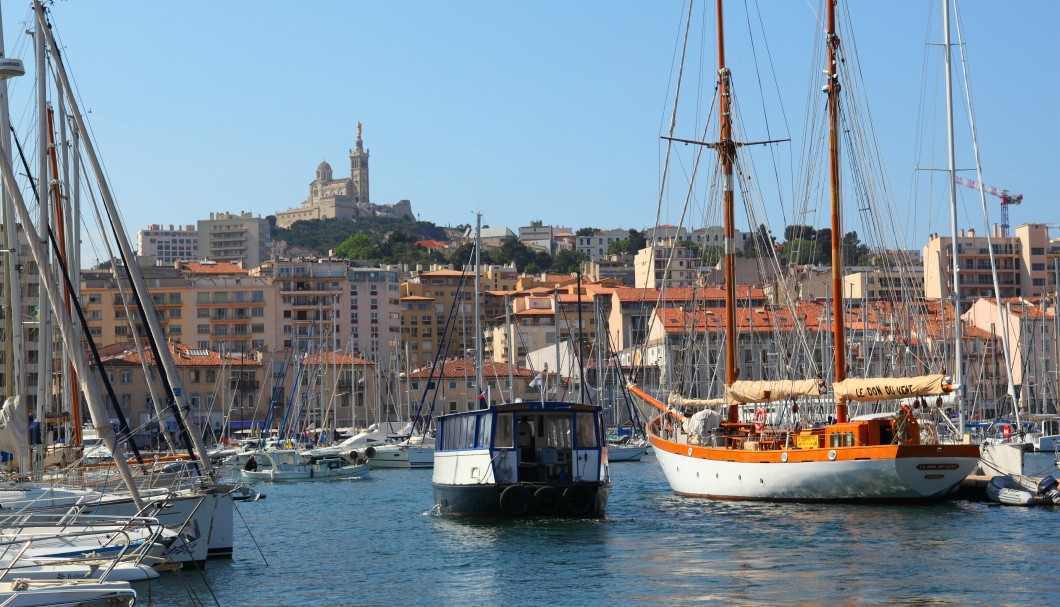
[(484, 397), (14, 427), (536, 382)]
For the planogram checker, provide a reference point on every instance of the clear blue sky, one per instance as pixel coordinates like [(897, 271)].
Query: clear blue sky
[(520, 110)]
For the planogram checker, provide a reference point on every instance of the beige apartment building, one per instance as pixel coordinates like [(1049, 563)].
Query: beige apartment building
[(433, 300), (1025, 264), (669, 263), (207, 305), (883, 284), (237, 238), (532, 323)]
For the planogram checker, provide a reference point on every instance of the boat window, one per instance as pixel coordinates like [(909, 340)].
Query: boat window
[(467, 436), (484, 430), (586, 430), (555, 430), (505, 436)]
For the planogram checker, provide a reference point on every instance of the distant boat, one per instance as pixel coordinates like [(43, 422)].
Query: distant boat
[(290, 465), (626, 449), (407, 454)]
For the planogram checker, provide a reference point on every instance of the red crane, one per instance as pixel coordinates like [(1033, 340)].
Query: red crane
[(1007, 199)]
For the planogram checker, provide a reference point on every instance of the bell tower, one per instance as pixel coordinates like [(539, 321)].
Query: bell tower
[(359, 172)]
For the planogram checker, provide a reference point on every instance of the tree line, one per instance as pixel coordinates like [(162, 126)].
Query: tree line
[(393, 241)]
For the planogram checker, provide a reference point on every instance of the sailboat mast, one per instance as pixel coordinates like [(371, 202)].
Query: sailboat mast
[(952, 170), (154, 329), (12, 291), (727, 154), (838, 322), (481, 384)]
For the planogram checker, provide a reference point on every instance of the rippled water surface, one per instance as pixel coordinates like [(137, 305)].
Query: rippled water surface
[(375, 542)]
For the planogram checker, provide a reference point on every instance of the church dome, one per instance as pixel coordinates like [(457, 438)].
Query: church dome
[(324, 171)]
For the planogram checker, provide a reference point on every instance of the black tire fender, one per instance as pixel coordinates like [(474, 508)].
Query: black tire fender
[(515, 500), (547, 499), (578, 500)]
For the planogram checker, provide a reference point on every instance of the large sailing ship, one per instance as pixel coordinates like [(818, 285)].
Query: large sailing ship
[(731, 449)]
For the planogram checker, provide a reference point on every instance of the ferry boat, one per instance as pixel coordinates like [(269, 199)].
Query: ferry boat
[(522, 459)]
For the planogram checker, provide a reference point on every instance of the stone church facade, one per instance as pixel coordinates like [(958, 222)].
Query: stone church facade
[(344, 198)]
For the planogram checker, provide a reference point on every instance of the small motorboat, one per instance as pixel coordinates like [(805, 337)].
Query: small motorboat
[(1018, 490)]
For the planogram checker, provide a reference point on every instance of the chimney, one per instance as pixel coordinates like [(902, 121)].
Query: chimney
[(971, 233)]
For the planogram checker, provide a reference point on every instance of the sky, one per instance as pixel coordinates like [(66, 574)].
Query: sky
[(526, 111)]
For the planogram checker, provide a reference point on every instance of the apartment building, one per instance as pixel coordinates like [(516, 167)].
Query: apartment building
[(238, 238), (168, 244), (1025, 264)]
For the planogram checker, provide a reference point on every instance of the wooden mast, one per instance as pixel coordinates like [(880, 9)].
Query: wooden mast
[(727, 152), (60, 235), (838, 323)]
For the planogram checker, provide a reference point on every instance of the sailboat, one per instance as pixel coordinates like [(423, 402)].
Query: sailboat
[(881, 456), (522, 459), (199, 509)]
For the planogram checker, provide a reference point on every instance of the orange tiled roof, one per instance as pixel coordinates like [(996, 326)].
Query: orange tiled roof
[(465, 367), (183, 356), (431, 244), (212, 268)]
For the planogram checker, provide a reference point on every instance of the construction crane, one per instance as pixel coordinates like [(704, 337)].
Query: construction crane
[(1007, 199)]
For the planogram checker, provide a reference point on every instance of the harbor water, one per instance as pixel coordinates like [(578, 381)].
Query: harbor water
[(376, 542)]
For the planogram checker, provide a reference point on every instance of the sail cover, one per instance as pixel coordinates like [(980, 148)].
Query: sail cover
[(864, 390), (14, 427), (676, 400), (766, 391)]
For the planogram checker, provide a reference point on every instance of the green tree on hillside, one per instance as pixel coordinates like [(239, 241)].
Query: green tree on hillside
[(358, 246), (567, 262)]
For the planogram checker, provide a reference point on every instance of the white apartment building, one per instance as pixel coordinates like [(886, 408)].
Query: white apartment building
[(168, 244)]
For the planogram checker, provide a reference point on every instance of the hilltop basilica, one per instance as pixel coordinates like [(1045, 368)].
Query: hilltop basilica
[(343, 198)]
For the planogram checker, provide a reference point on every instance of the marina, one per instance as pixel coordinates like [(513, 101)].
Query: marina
[(652, 548), (463, 416)]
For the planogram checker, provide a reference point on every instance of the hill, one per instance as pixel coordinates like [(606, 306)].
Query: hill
[(323, 235)]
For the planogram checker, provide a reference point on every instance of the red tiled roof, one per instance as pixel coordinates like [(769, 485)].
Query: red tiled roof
[(216, 267), (183, 356), (431, 244), (465, 367)]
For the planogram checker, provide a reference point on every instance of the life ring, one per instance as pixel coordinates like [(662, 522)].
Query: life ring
[(547, 499), (760, 419), (578, 500), (515, 500)]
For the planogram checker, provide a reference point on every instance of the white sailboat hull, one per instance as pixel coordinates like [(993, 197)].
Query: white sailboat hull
[(899, 478), (402, 456), (305, 472)]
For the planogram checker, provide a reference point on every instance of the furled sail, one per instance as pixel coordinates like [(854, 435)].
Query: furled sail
[(864, 390), (676, 400), (767, 391), (750, 392)]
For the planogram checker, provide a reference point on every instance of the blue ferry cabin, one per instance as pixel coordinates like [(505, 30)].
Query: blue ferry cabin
[(522, 459)]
